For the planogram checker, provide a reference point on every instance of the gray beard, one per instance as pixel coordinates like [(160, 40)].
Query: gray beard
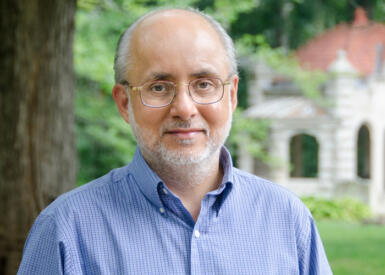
[(175, 158)]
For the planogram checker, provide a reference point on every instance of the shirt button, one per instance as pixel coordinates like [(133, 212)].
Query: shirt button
[(161, 210), (196, 233), (165, 191)]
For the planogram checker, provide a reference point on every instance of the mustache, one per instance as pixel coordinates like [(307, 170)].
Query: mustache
[(184, 124)]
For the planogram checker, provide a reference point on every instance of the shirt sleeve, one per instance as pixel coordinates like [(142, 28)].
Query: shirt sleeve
[(312, 256), (44, 251)]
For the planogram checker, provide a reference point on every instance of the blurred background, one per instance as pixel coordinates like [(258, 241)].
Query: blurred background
[(310, 117)]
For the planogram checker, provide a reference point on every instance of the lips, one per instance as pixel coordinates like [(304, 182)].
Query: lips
[(185, 133)]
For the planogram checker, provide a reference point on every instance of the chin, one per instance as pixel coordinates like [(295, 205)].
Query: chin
[(186, 156), (186, 142)]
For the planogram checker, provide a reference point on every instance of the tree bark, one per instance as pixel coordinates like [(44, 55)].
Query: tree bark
[(37, 152)]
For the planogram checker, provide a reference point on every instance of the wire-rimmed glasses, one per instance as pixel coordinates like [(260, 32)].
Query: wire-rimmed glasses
[(160, 93)]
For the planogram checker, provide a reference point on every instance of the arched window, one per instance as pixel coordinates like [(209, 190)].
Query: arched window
[(363, 152), (303, 156)]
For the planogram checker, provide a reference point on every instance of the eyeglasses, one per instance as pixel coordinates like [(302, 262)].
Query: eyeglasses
[(159, 93)]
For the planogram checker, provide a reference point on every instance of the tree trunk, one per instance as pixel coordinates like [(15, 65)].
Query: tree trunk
[(37, 152)]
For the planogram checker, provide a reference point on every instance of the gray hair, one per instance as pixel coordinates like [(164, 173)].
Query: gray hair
[(123, 55)]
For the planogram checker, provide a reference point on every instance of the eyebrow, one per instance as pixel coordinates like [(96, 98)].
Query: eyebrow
[(159, 76), (154, 76), (205, 73)]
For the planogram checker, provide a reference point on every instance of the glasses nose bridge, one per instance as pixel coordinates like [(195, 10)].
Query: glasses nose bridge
[(179, 85)]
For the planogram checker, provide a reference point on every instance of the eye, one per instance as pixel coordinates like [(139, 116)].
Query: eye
[(158, 87), (204, 84)]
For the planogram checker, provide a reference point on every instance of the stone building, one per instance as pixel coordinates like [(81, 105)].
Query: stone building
[(332, 151)]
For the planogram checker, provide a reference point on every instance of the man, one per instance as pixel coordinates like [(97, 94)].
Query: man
[(179, 207)]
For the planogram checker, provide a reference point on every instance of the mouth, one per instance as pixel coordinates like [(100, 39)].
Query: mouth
[(185, 133)]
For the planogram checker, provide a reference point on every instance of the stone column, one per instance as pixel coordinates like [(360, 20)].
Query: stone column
[(279, 151), (246, 160), (377, 168)]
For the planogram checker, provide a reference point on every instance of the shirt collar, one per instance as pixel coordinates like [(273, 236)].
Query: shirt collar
[(227, 165), (148, 181)]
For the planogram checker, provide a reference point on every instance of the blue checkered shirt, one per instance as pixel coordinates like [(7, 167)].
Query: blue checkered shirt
[(129, 222)]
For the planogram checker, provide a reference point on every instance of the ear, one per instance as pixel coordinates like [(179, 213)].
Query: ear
[(121, 100), (234, 92)]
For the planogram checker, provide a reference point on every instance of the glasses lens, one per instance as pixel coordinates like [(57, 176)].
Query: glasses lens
[(157, 93), (206, 90)]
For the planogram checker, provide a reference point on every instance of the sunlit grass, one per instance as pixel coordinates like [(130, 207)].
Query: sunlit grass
[(354, 248)]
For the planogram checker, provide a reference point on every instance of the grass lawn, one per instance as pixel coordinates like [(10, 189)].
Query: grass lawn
[(354, 248)]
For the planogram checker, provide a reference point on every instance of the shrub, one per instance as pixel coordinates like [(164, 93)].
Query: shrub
[(344, 209)]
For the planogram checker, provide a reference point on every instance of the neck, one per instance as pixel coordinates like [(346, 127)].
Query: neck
[(190, 182)]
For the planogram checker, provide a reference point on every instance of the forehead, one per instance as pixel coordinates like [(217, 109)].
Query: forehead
[(176, 42)]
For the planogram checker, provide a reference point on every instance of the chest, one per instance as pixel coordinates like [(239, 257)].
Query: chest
[(163, 244)]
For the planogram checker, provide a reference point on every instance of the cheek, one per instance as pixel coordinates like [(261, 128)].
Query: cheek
[(148, 118), (216, 115)]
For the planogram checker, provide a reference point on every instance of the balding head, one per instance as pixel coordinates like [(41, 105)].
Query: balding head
[(174, 20)]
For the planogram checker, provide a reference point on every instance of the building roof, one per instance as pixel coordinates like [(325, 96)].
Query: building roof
[(360, 40), (294, 107)]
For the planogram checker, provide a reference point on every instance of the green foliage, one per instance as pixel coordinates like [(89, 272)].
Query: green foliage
[(104, 140), (227, 11), (290, 23), (96, 36), (346, 209), (250, 133)]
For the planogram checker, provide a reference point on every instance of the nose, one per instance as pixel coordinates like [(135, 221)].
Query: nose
[(183, 107)]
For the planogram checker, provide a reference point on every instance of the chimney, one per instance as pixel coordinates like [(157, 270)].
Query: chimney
[(360, 18)]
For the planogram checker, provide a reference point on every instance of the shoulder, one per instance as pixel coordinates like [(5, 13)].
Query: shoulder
[(90, 195), (277, 205), (268, 194), (255, 184), (55, 232)]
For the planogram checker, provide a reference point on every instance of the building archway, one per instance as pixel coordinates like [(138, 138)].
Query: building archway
[(363, 152), (303, 156)]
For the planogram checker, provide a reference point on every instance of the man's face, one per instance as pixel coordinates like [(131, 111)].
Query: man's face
[(178, 49)]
